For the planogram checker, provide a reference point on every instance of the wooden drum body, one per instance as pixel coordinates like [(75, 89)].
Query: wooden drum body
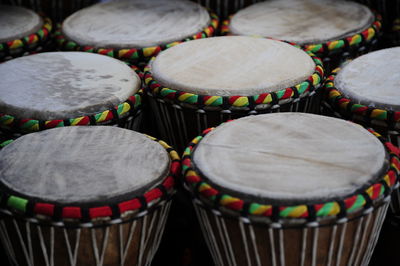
[(203, 83), (118, 220), (22, 32), (258, 208), (135, 30), (333, 30), (68, 89)]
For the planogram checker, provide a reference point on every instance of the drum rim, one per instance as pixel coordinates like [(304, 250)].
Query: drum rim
[(350, 107), (259, 101), (130, 53), (335, 46), (87, 215), (362, 199), (34, 39), (124, 109)]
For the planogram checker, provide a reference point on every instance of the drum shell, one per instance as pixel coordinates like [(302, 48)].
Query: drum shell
[(178, 124), (146, 234), (233, 241)]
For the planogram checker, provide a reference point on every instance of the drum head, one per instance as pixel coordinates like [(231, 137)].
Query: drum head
[(373, 79), (17, 22), (135, 24), (290, 158), (64, 85), (302, 21), (83, 165), (234, 65)]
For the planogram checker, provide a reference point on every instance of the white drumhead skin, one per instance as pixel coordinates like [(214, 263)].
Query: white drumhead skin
[(135, 23), (290, 157), (233, 65), (63, 85), (82, 164), (302, 21), (373, 79), (17, 22)]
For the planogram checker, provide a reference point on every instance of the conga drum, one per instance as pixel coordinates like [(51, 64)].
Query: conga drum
[(22, 32), (290, 189), (135, 30), (58, 89), (85, 196), (333, 30), (202, 83), (56, 9), (366, 90)]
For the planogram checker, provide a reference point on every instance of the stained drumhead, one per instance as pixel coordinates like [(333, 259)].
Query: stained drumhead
[(63, 85), (82, 164), (17, 22), (302, 21), (135, 23), (234, 65), (290, 157), (373, 79)]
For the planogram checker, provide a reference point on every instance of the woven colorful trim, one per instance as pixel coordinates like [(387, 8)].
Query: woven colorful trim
[(271, 98), (340, 102), (5, 143), (35, 38), (32, 208), (133, 54), (324, 209), (28, 125), (332, 46)]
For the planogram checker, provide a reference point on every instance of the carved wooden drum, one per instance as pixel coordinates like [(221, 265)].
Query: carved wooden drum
[(22, 32), (366, 91), (85, 196), (290, 189), (135, 30), (334, 30), (199, 84), (68, 89)]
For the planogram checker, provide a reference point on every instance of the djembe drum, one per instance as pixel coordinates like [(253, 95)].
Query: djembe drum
[(68, 89), (56, 9), (333, 30), (202, 83), (22, 32), (366, 91), (290, 189), (135, 30), (85, 196)]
